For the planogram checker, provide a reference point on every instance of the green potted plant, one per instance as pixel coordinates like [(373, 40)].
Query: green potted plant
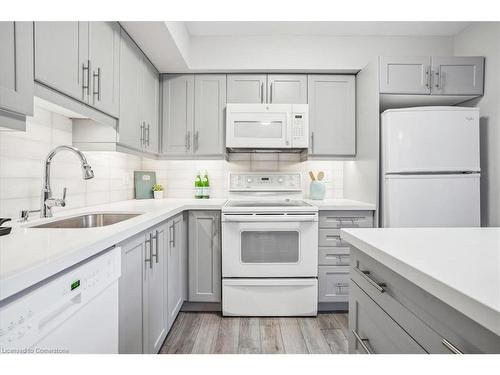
[(158, 191)]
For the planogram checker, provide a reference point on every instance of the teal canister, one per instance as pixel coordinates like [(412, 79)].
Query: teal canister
[(317, 190)]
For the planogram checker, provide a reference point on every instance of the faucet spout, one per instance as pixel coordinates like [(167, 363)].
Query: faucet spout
[(47, 202)]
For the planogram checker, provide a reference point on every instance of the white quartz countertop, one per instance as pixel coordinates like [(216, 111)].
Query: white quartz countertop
[(459, 266), (30, 255)]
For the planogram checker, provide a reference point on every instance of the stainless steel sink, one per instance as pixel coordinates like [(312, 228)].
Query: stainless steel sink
[(88, 220)]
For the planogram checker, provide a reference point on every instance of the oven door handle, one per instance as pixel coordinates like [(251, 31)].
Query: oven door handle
[(268, 218)]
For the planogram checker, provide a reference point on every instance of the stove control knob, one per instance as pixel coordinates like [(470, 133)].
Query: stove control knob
[(280, 180), (249, 180)]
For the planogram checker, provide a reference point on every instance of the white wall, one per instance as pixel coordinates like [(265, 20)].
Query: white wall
[(22, 156), (483, 39), (177, 176), (226, 53)]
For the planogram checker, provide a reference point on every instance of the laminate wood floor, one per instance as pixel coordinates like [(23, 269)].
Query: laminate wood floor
[(210, 333)]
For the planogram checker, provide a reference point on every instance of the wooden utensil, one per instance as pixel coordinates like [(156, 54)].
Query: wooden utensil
[(321, 175), (311, 174)]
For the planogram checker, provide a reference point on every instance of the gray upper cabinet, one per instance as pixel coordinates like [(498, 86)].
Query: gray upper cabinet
[(204, 256), (457, 75), (246, 88), (139, 99), (405, 75), (209, 111), (332, 120), (104, 55), (61, 57), (287, 89), (177, 114), (16, 67), (435, 75), (129, 126), (81, 60)]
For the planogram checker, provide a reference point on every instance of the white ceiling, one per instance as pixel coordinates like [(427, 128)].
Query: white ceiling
[(330, 28)]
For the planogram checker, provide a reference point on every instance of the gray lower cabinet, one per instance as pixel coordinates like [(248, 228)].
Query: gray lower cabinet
[(204, 256), (193, 114), (176, 268), (142, 326), (139, 99), (432, 75), (332, 115), (334, 254), (390, 314), (80, 60), (16, 68)]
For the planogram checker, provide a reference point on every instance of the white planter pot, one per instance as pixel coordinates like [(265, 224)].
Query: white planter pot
[(158, 194)]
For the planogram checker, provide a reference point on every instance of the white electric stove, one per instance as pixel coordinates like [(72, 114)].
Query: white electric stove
[(269, 247)]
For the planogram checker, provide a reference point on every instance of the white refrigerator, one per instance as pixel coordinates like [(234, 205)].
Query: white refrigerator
[(430, 167)]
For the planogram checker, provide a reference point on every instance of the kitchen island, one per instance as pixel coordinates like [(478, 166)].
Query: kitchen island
[(427, 289)]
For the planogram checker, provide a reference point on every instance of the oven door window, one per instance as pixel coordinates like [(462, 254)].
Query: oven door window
[(270, 247)]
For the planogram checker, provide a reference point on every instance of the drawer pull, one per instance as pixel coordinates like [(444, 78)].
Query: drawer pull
[(452, 348), (362, 342), (379, 286)]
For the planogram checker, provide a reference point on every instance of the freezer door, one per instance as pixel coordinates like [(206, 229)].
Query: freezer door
[(431, 201), (430, 139)]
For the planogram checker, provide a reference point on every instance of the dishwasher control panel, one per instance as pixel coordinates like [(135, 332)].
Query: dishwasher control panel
[(29, 317)]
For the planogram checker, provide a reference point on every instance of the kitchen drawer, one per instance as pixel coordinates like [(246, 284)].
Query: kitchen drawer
[(333, 256), (431, 322), (372, 330), (346, 219), (333, 283), (331, 238)]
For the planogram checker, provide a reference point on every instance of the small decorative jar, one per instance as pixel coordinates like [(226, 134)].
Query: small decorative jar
[(317, 190), (158, 194)]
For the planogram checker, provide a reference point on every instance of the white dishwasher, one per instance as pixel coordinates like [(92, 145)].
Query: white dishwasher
[(74, 312)]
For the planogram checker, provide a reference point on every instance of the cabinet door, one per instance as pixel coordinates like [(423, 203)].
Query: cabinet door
[(209, 105), (16, 67), (204, 256), (62, 57), (246, 88), (287, 89), (333, 283), (457, 75), (332, 117), (129, 125), (175, 270), (154, 289), (104, 47), (178, 114), (150, 106), (131, 283), (405, 75)]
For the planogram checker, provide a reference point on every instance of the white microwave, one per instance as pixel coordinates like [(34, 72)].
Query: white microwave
[(267, 126)]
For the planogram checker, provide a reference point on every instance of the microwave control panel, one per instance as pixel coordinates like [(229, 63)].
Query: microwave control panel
[(300, 126)]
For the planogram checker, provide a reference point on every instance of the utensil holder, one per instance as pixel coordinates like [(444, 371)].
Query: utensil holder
[(317, 190)]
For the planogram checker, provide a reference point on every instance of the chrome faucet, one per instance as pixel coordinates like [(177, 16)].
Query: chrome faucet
[(47, 201)]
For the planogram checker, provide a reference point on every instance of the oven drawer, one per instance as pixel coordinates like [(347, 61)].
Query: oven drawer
[(333, 256), (269, 297), (346, 219), (333, 283)]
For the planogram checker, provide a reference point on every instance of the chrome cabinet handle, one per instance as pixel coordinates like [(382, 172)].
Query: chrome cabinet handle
[(362, 342), (312, 142), (156, 237), (271, 93), (427, 77), (195, 141), (262, 92), (188, 139), (98, 92), (452, 348), (379, 286), (150, 259), (142, 134), (172, 236), (148, 133), (86, 86), (437, 76)]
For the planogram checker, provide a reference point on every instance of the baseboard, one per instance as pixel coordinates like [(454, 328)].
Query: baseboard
[(201, 306), (333, 306)]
